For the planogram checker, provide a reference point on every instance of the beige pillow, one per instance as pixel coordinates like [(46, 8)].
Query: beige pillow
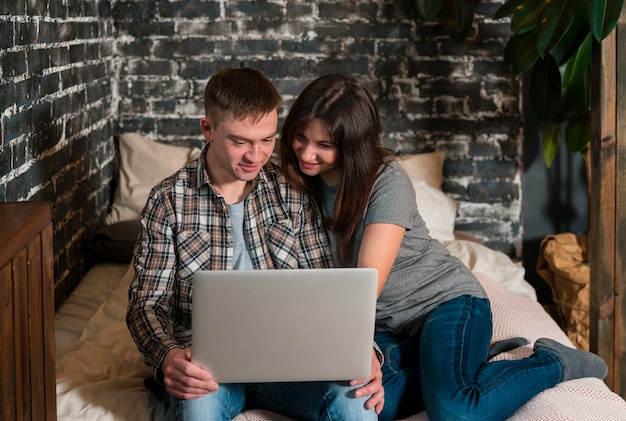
[(424, 166), (143, 164), (435, 207)]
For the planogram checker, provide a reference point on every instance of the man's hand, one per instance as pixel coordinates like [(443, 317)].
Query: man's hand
[(373, 386), (184, 380)]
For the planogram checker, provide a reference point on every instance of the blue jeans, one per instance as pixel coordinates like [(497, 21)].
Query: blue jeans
[(324, 401), (447, 366), (401, 377), (457, 381)]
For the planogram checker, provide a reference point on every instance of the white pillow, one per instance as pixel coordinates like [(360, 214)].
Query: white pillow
[(143, 164), (495, 264), (436, 209)]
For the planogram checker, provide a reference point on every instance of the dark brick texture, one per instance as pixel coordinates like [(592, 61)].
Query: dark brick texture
[(74, 74)]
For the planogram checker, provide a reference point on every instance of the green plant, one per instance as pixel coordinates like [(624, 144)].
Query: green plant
[(554, 40)]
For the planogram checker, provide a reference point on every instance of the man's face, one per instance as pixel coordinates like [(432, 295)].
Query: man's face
[(239, 148)]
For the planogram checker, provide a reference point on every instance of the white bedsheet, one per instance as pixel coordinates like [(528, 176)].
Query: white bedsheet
[(100, 372)]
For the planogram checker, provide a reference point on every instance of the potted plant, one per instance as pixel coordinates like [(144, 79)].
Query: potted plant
[(554, 40)]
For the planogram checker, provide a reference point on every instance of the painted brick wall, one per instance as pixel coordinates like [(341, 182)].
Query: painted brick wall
[(94, 68), (56, 117), (433, 93)]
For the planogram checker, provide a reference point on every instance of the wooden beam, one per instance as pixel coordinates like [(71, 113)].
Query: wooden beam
[(607, 202), (620, 202)]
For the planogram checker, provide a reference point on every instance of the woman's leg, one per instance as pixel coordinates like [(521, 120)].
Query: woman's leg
[(458, 383), (314, 401), (223, 405), (403, 394)]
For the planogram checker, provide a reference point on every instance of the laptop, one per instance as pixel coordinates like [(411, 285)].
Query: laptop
[(252, 326)]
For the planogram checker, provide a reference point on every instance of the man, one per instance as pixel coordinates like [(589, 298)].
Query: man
[(230, 209)]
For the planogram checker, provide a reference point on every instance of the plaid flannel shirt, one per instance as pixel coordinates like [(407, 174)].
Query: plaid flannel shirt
[(186, 227)]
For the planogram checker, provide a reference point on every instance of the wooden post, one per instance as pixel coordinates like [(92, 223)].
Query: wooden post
[(620, 201), (607, 207)]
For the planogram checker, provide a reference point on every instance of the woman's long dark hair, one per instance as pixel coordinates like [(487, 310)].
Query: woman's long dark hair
[(349, 113)]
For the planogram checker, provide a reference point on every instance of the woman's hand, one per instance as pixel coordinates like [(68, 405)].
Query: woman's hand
[(373, 386), (184, 380)]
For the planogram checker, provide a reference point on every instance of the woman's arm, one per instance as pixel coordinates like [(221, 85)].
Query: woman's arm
[(379, 249)]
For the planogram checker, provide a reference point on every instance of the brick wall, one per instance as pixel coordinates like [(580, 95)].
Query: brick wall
[(56, 117), (433, 93), (95, 67)]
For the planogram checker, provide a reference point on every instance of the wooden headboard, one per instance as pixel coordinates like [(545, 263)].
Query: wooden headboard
[(27, 352)]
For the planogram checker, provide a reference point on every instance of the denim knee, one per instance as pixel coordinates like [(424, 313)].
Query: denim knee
[(343, 405), (222, 405)]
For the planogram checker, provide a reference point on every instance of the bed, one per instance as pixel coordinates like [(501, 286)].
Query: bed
[(100, 374)]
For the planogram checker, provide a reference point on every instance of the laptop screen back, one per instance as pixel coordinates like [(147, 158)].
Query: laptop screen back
[(284, 325)]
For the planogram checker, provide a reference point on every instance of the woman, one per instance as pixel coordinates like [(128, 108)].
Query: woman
[(433, 317)]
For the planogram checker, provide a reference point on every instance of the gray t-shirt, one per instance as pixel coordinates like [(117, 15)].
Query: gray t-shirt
[(424, 273), (241, 253)]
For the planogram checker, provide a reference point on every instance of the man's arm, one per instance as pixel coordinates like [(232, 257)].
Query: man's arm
[(151, 289)]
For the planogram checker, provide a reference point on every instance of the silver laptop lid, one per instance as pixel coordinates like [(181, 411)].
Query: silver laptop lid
[(284, 325)]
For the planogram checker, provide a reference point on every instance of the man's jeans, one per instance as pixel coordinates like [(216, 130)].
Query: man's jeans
[(315, 401)]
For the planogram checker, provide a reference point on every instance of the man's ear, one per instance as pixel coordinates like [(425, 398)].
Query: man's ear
[(206, 126)]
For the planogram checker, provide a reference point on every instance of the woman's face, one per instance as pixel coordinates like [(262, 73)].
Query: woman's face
[(316, 153)]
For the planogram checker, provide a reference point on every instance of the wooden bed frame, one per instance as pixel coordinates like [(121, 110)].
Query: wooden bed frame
[(27, 383)]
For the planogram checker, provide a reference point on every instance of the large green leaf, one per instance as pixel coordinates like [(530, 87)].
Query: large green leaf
[(508, 8), (579, 63), (603, 16), (575, 35), (565, 22), (586, 97), (545, 89), (527, 17), (578, 133), (521, 52), (597, 14), (551, 140), (456, 18), (552, 16), (427, 9)]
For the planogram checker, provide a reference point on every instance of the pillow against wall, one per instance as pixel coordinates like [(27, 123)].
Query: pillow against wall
[(437, 209), (424, 166), (143, 164)]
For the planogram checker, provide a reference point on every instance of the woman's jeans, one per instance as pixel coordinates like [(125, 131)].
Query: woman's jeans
[(401, 377), (456, 381), (302, 401)]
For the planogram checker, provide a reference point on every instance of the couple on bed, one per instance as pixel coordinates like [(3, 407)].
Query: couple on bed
[(233, 209)]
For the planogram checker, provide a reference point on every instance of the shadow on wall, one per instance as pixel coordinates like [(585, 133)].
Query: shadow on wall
[(555, 200)]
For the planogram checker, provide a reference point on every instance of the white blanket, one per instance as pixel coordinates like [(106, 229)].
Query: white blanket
[(100, 372)]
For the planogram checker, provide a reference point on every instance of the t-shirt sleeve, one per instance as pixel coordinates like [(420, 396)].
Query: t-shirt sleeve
[(393, 199)]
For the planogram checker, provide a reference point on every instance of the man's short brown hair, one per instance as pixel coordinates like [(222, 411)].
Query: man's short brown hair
[(244, 92)]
